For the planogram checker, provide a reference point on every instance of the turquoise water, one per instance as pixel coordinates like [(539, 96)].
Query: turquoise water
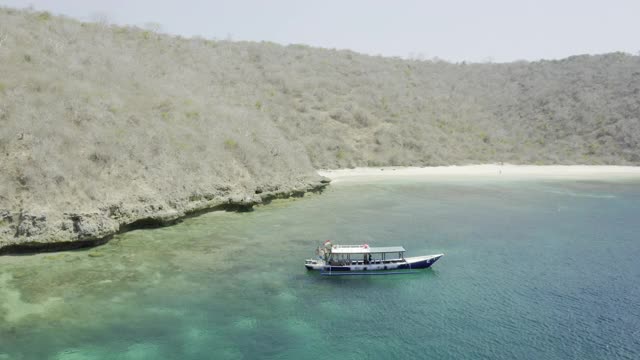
[(532, 270)]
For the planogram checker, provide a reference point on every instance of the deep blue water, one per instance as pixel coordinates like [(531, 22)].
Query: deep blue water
[(532, 270)]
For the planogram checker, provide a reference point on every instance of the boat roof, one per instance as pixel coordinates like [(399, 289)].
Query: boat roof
[(361, 249)]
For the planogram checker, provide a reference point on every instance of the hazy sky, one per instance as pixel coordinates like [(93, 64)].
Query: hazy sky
[(501, 30)]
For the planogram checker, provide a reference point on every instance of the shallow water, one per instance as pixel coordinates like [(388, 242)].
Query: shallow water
[(535, 270)]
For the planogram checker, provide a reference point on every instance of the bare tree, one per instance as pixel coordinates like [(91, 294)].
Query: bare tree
[(100, 17), (153, 26)]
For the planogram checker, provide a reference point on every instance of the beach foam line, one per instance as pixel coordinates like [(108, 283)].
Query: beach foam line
[(487, 171)]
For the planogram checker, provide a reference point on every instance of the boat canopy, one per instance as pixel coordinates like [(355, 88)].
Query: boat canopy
[(363, 249)]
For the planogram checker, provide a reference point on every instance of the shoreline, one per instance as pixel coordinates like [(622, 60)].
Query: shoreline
[(484, 172), (51, 241), (95, 229)]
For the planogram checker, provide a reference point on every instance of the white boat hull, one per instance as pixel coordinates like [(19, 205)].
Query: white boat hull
[(360, 267)]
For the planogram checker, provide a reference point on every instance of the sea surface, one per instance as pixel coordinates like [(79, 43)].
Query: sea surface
[(532, 270)]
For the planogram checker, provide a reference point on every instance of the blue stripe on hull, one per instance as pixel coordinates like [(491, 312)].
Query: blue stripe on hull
[(347, 270), (378, 272)]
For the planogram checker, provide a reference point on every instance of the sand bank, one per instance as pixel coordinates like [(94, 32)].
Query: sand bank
[(490, 171)]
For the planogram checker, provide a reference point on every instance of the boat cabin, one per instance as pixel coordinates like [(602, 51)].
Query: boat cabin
[(345, 255)]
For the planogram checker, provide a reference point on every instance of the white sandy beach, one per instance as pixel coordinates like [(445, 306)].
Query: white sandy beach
[(489, 171)]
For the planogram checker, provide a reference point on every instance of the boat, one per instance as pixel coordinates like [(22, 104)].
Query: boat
[(366, 260)]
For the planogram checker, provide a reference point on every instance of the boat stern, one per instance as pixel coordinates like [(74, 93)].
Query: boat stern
[(314, 264)]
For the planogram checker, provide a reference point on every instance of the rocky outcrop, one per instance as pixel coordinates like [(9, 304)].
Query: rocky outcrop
[(96, 140), (23, 232)]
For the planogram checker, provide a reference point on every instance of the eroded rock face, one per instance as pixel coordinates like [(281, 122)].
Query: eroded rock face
[(43, 231), (49, 231), (6, 222), (89, 226), (31, 225)]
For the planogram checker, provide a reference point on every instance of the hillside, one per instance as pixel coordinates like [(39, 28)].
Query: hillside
[(104, 128)]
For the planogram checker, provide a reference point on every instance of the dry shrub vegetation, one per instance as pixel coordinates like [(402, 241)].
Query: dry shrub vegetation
[(92, 114)]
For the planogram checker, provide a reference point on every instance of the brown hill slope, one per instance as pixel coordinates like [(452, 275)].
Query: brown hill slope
[(102, 127)]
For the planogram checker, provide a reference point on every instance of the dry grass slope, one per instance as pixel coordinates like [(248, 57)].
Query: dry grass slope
[(103, 126)]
